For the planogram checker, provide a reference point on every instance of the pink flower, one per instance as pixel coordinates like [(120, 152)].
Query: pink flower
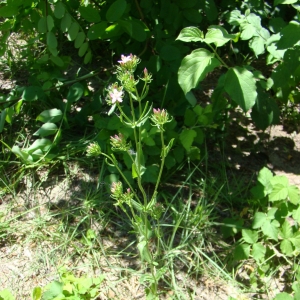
[(125, 59), (116, 96)]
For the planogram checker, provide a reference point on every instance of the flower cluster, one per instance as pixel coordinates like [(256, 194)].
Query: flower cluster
[(118, 143), (93, 149), (115, 94), (117, 194), (160, 117), (128, 63)]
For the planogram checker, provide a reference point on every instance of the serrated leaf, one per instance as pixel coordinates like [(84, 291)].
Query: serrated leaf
[(46, 129), (89, 13), (191, 34), (258, 251), (240, 84), (270, 230), (264, 176), (259, 219), (296, 214), (241, 252), (187, 137), (51, 115), (296, 240), (116, 10), (218, 36), (279, 192), (286, 247), (250, 236), (194, 68), (293, 193), (286, 230)]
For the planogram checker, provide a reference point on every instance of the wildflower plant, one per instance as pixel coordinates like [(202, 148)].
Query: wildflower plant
[(141, 209)]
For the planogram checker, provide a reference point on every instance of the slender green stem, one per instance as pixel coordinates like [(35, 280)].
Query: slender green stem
[(218, 56)]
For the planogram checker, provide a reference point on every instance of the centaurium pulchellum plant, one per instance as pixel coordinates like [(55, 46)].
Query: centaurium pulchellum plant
[(141, 206)]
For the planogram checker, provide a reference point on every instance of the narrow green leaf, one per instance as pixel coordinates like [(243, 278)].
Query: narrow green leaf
[(276, 2), (191, 34), (36, 293), (88, 57), (194, 68), (116, 10), (2, 119), (240, 84), (82, 49)]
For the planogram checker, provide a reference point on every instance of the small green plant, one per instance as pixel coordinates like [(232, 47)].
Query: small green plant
[(139, 207), (273, 241)]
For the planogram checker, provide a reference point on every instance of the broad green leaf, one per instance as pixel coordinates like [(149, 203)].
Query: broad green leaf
[(51, 115), (33, 93), (250, 236), (276, 2), (97, 31), (51, 40), (116, 10), (248, 31), (8, 11), (190, 118), (82, 49), (6, 295), (42, 25), (194, 153), (22, 154), (59, 10), (79, 40), (211, 10), (66, 22), (293, 193), (73, 31), (296, 214), (286, 247), (46, 129), (36, 293), (279, 192), (50, 23), (218, 35), (53, 290), (289, 35), (284, 296), (75, 92), (57, 60), (235, 18), (186, 138), (286, 230), (258, 251), (257, 44), (264, 176), (296, 240), (41, 144), (90, 14), (240, 84), (191, 34), (270, 229), (259, 219), (194, 68), (241, 252), (279, 180)]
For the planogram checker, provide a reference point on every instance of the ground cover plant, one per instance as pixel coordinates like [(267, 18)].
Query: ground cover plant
[(123, 81)]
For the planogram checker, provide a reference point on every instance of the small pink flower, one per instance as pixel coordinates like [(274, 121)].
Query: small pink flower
[(116, 96), (125, 59)]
